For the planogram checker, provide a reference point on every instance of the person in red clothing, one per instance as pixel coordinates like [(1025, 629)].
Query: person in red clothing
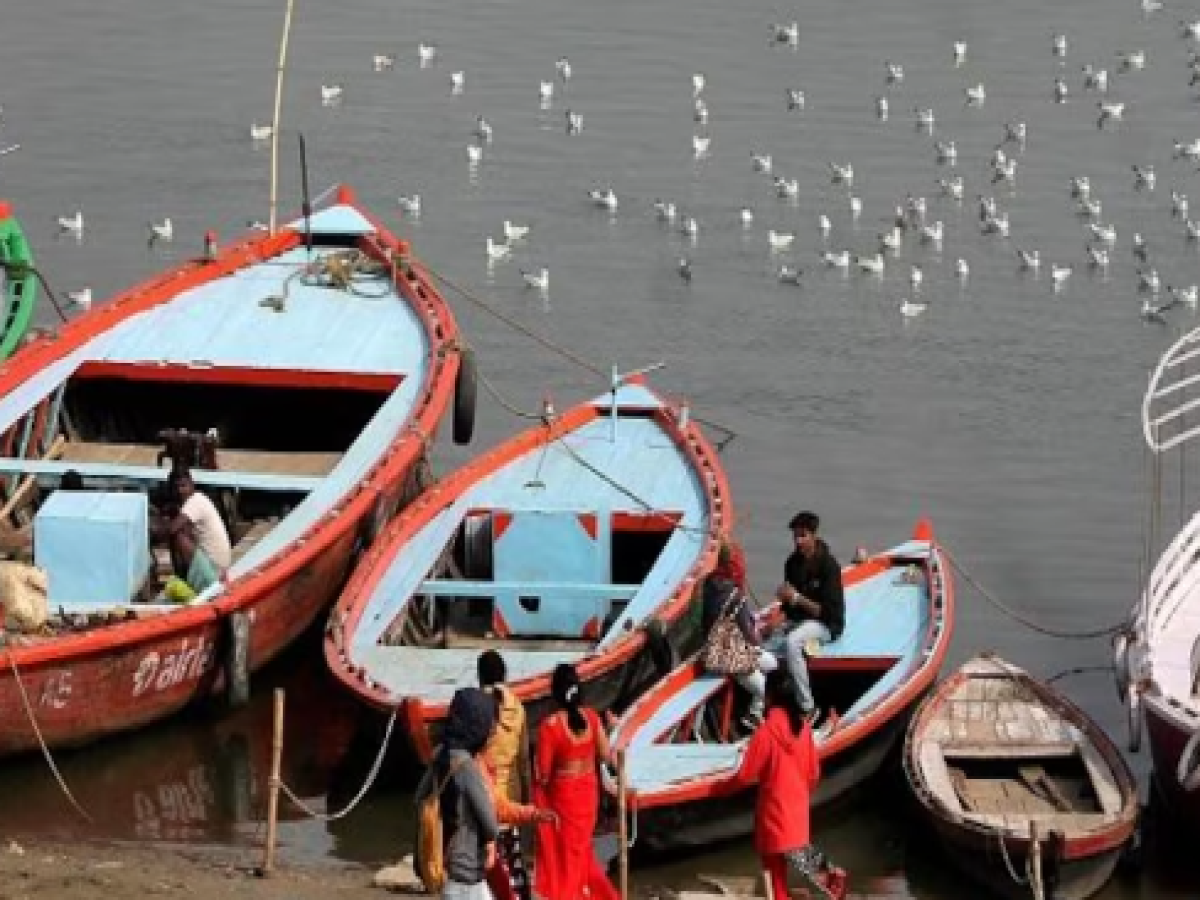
[(571, 744), (782, 759)]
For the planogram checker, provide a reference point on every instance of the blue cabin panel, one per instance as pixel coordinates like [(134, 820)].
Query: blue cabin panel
[(538, 555)]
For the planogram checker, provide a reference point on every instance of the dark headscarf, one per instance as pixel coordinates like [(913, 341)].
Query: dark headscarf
[(469, 721)]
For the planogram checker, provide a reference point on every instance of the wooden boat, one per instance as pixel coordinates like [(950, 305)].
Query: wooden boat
[(1020, 785), (683, 739), (323, 358), (18, 282), (1157, 656), (581, 540)]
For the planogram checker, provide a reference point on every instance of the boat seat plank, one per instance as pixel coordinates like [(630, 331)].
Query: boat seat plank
[(456, 640), (50, 472), (656, 765), (682, 702), (1108, 792), (276, 462), (990, 750), (1070, 824), (565, 590), (435, 673)]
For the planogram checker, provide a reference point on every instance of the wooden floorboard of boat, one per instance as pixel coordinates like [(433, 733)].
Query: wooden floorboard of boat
[(308, 464), (458, 641)]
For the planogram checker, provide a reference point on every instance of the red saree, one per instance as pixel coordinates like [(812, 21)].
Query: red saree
[(566, 782)]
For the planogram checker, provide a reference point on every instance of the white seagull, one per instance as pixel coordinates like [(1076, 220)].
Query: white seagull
[(331, 93), (457, 82), (960, 53), (910, 309), (842, 174), (384, 61), (497, 251), (513, 232), (1059, 45), (73, 224), (563, 67), (700, 145), (698, 83), (539, 280), (747, 215), (574, 122), (779, 240), (426, 53), (483, 130), (81, 298), (411, 205), (546, 92), (606, 198), (1110, 112), (260, 132), (976, 95), (894, 72), (163, 231), (795, 99)]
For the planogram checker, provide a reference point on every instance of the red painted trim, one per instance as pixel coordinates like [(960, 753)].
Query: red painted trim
[(381, 382), (499, 626), (645, 522), (588, 522), (500, 523)]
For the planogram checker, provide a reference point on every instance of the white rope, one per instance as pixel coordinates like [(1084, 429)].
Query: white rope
[(362, 792), (12, 661)]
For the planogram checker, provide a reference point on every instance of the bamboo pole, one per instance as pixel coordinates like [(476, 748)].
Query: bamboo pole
[(273, 784), (283, 50), (622, 825)]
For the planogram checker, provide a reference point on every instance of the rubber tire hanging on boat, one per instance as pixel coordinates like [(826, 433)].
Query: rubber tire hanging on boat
[(237, 659), (662, 652), (1188, 768), (464, 397), (1121, 664)]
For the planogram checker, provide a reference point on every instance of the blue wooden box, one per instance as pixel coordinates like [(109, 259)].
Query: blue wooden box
[(93, 545)]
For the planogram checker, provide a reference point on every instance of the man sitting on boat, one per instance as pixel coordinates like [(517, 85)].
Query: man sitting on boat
[(813, 603), (196, 509), (195, 571)]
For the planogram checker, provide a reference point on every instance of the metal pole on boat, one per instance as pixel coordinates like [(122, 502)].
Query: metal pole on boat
[(273, 783), (622, 825), (283, 48)]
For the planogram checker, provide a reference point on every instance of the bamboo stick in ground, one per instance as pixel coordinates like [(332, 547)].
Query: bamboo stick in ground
[(622, 826), (273, 784)]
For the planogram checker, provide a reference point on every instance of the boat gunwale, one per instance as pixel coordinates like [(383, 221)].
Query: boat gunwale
[(346, 511), (873, 719), (348, 610), (1106, 836)]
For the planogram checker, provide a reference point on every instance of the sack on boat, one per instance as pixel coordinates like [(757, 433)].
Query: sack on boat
[(726, 650), (23, 594), (429, 860)]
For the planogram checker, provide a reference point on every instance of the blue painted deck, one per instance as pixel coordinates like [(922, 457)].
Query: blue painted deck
[(321, 329), (443, 671), (642, 462), (886, 616)]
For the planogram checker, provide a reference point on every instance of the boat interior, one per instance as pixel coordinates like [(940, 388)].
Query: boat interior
[(999, 755), (278, 386), (693, 727)]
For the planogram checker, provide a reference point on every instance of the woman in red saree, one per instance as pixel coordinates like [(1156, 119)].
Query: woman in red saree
[(571, 744)]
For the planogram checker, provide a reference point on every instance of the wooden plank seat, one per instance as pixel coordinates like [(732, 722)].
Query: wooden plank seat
[(49, 473), (272, 461)]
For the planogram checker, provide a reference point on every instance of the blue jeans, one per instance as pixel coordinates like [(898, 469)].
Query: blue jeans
[(454, 890), (788, 643)]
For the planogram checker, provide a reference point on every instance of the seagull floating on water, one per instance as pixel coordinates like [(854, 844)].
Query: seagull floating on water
[(260, 132), (700, 111), (960, 53), (384, 61), (546, 91), (574, 122), (665, 210), (81, 298), (1144, 178), (563, 67), (881, 107), (426, 53), (962, 270), (836, 259), (497, 251), (73, 224), (924, 118), (975, 95), (331, 93), (1060, 91), (474, 154), (1059, 45), (698, 83), (163, 231), (841, 174), (514, 232), (1059, 276), (1133, 60), (761, 162), (1179, 205), (894, 72), (795, 100), (539, 280), (779, 240), (483, 130), (747, 217), (411, 205), (910, 308), (606, 198), (786, 34), (457, 82), (1110, 112), (1095, 79), (700, 145), (790, 275)]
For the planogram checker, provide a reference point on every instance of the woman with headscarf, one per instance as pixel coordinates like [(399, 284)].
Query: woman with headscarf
[(469, 824), (782, 760), (571, 745)]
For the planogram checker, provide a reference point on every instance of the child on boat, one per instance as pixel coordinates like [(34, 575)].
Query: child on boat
[(782, 759)]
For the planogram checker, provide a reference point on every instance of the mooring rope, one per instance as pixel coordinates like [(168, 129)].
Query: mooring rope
[(362, 791), (1025, 620), (19, 270), (62, 783)]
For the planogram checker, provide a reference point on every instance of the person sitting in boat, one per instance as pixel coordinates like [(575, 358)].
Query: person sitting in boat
[(197, 509), (194, 572), (723, 597), (813, 602)]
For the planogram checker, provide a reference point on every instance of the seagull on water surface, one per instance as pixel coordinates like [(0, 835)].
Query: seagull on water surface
[(539, 280), (426, 53), (163, 231), (81, 298), (73, 224), (411, 205), (331, 93), (513, 232), (384, 61), (497, 251)]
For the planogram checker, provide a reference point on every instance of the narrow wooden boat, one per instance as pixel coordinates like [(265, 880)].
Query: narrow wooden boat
[(316, 362), (1020, 785), (1157, 656), (581, 540), (18, 282), (683, 739)]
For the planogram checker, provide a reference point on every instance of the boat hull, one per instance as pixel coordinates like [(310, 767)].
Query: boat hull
[(713, 819), (79, 698), (978, 855), (1167, 740)]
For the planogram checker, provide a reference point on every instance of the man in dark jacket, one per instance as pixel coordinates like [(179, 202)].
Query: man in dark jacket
[(812, 599)]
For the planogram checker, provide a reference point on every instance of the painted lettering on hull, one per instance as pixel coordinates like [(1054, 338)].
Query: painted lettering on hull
[(160, 671)]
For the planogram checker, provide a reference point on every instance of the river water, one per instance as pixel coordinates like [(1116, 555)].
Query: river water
[(1007, 411)]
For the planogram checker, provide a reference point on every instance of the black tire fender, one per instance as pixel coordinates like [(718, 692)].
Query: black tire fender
[(465, 390)]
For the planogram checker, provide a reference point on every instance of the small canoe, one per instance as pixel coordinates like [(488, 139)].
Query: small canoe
[(683, 739), (18, 282), (998, 761), (581, 540), (301, 374)]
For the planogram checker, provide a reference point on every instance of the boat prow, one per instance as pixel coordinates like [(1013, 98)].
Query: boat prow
[(1019, 783), (581, 540), (683, 739), (300, 375)]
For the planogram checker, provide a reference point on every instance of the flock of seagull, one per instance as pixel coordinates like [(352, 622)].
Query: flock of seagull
[(913, 221)]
